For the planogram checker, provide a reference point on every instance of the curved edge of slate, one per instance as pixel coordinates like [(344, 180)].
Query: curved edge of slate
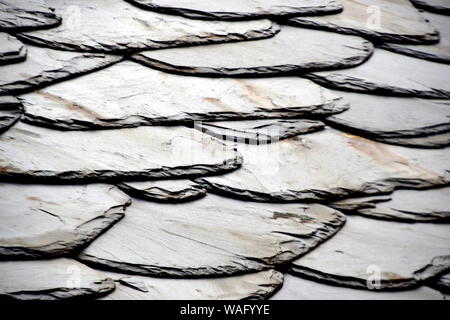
[(14, 57), (86, 233), (374, 36), (163, 195), (262, 71), (421, 4), (273, 12), (52, 20), (10, 112), (409, 51), (437, 266)]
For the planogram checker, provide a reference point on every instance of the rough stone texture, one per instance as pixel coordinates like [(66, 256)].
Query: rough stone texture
[(164, 190), (143, 96), (252, 286), (295, 288), (19, 15), (259, 131), (10, 112), (394, 119), (211, 236), (11, 49), (42, 221), (400, 255), (438, 6), (439, 52), (379, 20), (51, 280), (45, 66), (319, 50), (442, 283), (404, 205), (45, 155), (329, 165), (388, 73), (238, 9), (127, 28)]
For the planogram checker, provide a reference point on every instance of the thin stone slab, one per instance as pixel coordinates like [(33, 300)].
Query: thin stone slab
[(51, 280), (438, 6), (329, 165), (143, 96), (45, 155), (252, 286), (19, 15), (439, 52), (40, 221), (281, 54), (388, 73), (211, 236), (10, 112), (11, 49), (45, 66), (238, 9), (295, 288), (379, 20), (259, 131), (386, 118), (384, 255), (431, 205), (439, 140), (164, 190), (127, 28)]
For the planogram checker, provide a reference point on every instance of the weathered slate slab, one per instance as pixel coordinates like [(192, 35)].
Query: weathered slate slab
[(383, 254), (430, 205), (19, 15), (295, 288), (164, 190), (42, 221), (10, 112), (393, 119), (380, 20), (143, 96), (51, 280), (40, 154), (438, 6), (439, 140), (442, 283), (280, 54), (259, 131), (327, 165), (254, 286), (238, 9), (210, 236), (11, 49), (127, 28), (45, 66), (439, 52), (388, 73)]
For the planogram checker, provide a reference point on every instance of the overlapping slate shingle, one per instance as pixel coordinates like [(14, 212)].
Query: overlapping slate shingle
[(327, 165), (398, 120), (254, 286), (438, 6), (431, 205), (388, 73), (439, 52), (41, 221), (380, 20), (143, 96), (45, 155), (210, 236), (381, 254), (51, 280), (11, 49), (180, 190), (127, 28), (45, 66), (18, 15), (291, 50), (10, 112), (239, 9)]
